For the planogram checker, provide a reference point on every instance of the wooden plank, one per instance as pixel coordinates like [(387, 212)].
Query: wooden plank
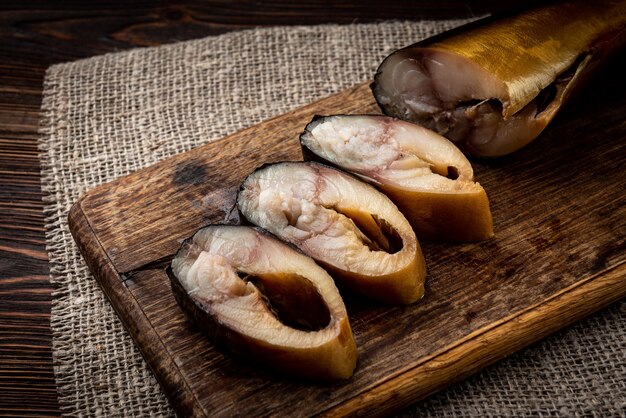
[(560, 235), (202, 182), (503, 338), (38, 34)]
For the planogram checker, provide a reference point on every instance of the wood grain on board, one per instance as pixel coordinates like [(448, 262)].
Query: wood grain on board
[(558, 207), (37, 34)]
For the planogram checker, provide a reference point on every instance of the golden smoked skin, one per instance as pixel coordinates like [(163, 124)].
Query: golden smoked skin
[(451, 217), (350, 228), (217, 277), (527, 52), (409, 164), (514, 73)]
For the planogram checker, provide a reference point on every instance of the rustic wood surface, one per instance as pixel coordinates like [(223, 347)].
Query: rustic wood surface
[(38, 34), (558, 208)]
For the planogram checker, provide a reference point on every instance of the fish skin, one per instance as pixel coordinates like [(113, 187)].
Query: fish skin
[(521, 55), (327, 354), (458, 212), (334, 240)]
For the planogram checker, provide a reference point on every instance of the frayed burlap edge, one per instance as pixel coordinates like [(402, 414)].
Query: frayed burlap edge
[(106, 116)]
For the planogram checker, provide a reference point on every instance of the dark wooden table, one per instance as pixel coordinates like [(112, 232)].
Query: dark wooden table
[(43, 33)]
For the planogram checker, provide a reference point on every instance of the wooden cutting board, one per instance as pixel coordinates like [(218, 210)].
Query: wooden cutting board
[(558, 255)]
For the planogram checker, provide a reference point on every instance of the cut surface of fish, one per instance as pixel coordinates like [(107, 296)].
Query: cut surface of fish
[(423, 173), (346, 225), (264, 301), (493, 86)]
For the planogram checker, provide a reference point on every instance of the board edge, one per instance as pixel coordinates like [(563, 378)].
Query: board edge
[(131, 315), (513, 333)]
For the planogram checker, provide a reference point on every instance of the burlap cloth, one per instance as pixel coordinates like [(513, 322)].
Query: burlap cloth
[(107, 116)]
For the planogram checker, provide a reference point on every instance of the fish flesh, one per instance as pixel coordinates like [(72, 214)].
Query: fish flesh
[(492, 86), (265, 301), (346, 225), (423, 173)]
